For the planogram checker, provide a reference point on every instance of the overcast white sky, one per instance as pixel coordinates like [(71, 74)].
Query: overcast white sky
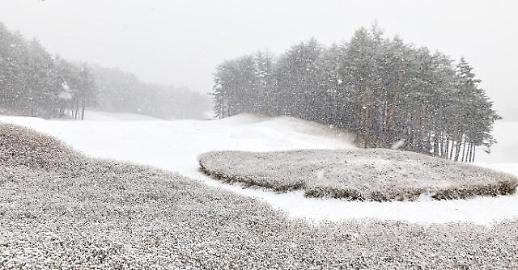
[(181, 41)]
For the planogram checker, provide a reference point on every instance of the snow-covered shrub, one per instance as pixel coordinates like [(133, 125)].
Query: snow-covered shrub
[(118, 216), (371, 174), (21, 146)]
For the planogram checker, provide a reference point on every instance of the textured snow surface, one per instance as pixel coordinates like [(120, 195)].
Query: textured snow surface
[(60, 210), (358, 174), (175, 145)]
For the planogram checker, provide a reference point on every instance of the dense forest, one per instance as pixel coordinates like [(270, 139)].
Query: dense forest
[(35, 83), (389, 92)]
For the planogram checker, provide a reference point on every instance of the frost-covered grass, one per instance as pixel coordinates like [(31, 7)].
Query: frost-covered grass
[(61, 210), (372, 174)]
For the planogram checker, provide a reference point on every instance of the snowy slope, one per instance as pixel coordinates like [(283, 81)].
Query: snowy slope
[(175, 145)]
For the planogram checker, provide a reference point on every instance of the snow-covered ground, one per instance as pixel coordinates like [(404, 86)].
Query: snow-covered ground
[(107, 116), (175, 145)]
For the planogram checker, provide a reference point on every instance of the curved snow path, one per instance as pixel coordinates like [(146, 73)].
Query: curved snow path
[(175, 145)]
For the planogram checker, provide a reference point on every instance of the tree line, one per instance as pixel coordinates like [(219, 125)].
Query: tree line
[(35, 83), (390, 93)]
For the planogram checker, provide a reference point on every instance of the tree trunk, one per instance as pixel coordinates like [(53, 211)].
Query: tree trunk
[(446, 147), (441, 145), (83, 105), (464, 151), (436, 145), (470, 152), (458, 148), (450, 155)]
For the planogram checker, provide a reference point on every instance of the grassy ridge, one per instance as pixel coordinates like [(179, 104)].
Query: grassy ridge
[(372, 174), (60, 210)]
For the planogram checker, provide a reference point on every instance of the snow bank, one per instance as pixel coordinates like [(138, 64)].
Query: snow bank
[(80, 213), (175, 145)]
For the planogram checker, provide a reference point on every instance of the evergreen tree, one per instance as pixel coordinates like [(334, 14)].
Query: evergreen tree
[(384, 90), (32, 81)]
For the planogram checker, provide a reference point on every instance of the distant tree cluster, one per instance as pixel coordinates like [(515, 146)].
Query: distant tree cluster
[(34, 83), (385, 90), (120, 91)]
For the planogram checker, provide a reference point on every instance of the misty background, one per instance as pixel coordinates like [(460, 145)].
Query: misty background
[(182, 42)]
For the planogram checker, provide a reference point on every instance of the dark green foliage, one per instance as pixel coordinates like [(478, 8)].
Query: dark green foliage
[(386, 91)]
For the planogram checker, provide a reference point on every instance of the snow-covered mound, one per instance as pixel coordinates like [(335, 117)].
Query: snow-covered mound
[(175, 146), (372, 174), (23, 147)]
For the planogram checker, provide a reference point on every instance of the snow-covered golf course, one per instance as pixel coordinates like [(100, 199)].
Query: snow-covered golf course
[(175, 146)]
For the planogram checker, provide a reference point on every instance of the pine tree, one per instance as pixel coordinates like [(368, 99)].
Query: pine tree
[(384, 90)]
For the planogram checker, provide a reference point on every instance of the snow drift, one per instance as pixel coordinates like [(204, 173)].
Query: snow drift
[(176, 145)]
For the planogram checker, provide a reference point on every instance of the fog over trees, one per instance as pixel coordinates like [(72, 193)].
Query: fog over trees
[(121, 91), (35, 83), (387, 91)]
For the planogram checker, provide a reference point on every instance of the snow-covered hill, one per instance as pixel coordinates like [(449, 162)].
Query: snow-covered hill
[(175, 145)]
